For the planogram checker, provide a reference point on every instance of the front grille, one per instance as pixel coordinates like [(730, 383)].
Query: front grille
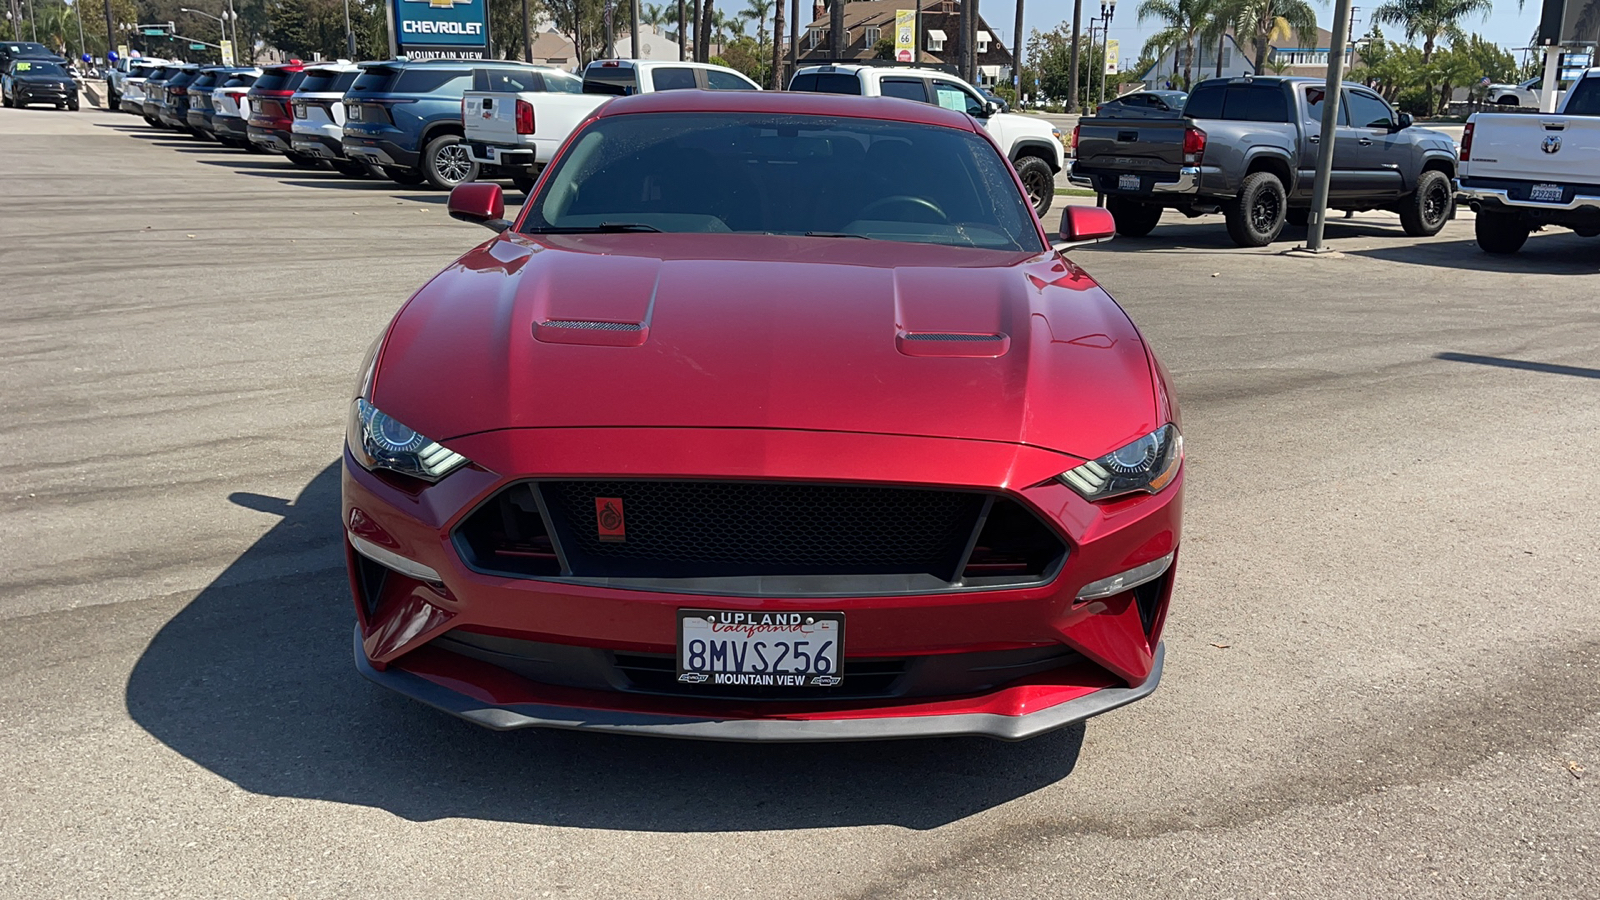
[(750, 538), (763, 528)]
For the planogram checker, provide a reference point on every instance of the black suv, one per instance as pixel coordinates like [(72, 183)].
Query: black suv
[(405, 116)]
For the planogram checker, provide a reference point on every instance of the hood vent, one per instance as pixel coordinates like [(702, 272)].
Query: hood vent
[(591, 332), (948, 344)]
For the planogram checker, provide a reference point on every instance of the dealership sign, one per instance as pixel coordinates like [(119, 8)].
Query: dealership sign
[(440, 29)]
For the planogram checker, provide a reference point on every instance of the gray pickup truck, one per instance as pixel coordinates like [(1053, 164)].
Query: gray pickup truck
[(1247, 148)]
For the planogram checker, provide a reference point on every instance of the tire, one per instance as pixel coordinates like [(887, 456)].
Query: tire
[(524, 180), (445, 162), (148, 120), (403, 176), (1425, 211), (1501, 233), (1256, 217), (1298, 216), (301, 161), (1508, 101), (1134, 219), (349, 168), (1039, 181)]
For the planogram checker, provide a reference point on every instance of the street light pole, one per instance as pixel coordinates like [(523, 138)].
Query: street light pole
[(1330, 123), (1108, 11)]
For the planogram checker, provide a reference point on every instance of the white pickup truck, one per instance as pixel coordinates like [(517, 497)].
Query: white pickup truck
[(1033, 145), (516, 118), (1523, 171)]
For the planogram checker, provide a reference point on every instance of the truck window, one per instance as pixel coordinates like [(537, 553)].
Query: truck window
[(951, 96), (1367, 111), (827, 83), (430, 80), (672, 78), (904, 88), (726, 81), (561, 82), (1585, 98), (1314, 97), (514, 80), (1243, 102), (615, 80)]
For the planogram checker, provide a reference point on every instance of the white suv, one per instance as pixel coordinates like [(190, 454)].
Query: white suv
[(318, 110), (1033, 145)]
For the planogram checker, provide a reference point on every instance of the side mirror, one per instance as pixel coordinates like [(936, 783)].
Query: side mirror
[(1405, 121), (1083, 225), (481, 203), (989, 108)]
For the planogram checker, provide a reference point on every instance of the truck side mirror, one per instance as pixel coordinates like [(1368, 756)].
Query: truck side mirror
[(1405, 121)]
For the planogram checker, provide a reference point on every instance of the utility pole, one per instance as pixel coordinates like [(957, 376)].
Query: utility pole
[(1330, 124), (633, 27), (111, 31), (1016, 60), (1077, 33)]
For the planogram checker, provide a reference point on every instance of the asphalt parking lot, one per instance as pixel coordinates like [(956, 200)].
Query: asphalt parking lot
[(1383, 666)]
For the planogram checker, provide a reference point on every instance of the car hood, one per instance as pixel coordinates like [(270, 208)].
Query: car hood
[(670, 330)]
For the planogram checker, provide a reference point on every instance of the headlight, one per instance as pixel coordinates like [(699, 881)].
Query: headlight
[(380, 442), (1146, 465)]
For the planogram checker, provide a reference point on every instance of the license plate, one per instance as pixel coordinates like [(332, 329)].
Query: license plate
[(759, 649), (1127, 182), (1546, 193)]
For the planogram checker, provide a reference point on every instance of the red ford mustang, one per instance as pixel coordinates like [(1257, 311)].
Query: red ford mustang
[(772, 417)]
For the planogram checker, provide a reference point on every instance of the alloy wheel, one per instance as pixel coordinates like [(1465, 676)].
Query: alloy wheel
[(1436, 205), (1264, 212), (452, 163)]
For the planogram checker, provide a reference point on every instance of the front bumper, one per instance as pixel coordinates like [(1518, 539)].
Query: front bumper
[(131, 106), (444, 692), (34, 93), (429, 620)]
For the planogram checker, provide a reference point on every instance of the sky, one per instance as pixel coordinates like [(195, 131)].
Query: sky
[(1506, 25)]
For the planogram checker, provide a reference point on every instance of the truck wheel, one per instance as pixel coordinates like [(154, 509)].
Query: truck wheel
[(1424, 212), (1134, 219), (524, 180), (1255, 217), (1501, 233), (1039, 181), (446, 163)]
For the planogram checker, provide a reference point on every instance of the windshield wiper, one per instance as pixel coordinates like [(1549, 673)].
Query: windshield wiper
[(602, 228), (844, 234)]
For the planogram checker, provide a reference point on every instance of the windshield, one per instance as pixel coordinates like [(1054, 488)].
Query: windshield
[(33, 67), (796, 175)]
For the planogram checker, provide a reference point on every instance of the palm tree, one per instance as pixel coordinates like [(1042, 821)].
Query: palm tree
[(1184, 21), (777, 45), (1269, 21), (757, 11), (1429, 18)]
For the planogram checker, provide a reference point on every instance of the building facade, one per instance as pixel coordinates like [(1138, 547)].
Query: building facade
[(869, 21)]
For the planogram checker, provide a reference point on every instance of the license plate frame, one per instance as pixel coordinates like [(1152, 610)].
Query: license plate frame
[(1130, 183), (749, 638), (1546, 193)]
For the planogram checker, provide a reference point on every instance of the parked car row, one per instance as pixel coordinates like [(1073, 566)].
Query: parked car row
[(400, 119)]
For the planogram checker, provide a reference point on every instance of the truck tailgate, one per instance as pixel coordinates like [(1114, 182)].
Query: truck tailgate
[(491, 116), (1535, 147), (1131, 145)]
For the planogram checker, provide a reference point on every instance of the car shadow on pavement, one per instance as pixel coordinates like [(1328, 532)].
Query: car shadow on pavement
[(1560, 253), (253, 680)]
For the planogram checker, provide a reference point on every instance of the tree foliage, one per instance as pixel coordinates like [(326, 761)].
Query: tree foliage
[(1047, 70)]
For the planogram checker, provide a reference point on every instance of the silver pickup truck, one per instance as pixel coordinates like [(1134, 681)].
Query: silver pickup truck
[(1247, 148)]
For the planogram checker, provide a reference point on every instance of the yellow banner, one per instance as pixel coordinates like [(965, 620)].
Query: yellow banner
[(1113, 47), (227, 53), (905, 34)]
